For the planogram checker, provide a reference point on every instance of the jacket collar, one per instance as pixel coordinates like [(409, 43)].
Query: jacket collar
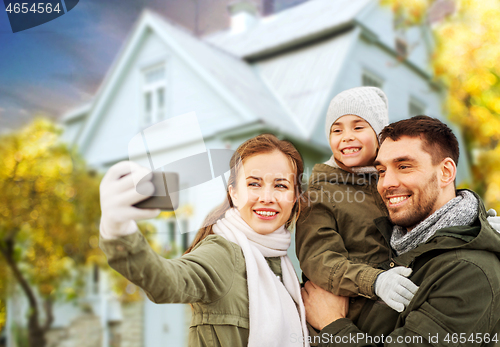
[(323, 173), (480, 235)]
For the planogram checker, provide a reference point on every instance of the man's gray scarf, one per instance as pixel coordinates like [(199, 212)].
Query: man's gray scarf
[(462, 210)]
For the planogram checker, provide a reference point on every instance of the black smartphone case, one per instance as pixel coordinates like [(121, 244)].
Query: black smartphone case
[(166, 195)]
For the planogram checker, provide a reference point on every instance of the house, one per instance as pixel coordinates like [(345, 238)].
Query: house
[(264, 74)]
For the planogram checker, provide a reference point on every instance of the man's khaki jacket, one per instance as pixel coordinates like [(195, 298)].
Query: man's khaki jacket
[(457, 304)]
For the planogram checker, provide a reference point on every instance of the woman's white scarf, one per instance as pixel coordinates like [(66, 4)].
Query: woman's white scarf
[(275, 319)]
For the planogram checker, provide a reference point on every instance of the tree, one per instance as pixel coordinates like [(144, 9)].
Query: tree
[(3, 308), (49, 225), (49, 214), (467, 61)]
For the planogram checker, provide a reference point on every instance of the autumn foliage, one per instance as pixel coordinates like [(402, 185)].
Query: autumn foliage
[(49, 215), (467, 60), (49, 225)]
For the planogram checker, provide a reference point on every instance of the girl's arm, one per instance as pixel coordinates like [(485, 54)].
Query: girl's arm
[(323, 256)]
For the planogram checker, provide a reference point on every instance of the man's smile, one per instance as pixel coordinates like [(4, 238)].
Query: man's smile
[(395, 201)]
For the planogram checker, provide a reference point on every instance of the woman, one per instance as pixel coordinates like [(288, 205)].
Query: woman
[(236, 275)]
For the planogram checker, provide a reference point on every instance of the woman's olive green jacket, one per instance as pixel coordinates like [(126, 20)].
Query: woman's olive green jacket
[(212, 278)]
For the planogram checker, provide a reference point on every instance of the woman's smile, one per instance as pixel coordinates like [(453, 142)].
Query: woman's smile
[(266, 213)]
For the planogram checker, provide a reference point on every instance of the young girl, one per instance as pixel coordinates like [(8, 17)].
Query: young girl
[(338, 245), (237, 277)]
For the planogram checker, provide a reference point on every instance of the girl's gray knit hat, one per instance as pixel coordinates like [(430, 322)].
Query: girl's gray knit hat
[(369, 103)]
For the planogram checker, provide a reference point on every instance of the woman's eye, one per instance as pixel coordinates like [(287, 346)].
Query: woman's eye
[(282, 186), (253, 184)]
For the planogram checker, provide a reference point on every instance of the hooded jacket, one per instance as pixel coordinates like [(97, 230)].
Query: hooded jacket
[(338, 245), (458, 302)]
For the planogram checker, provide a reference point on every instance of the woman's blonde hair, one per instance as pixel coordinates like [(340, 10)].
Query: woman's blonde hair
[(260, 144)]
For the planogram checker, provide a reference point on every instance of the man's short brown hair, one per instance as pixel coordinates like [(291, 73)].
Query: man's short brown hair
[(437, 138)]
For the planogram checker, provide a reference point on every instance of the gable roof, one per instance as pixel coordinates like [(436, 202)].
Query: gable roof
[(304, 80), (310, 20), (233, 75), (233, 79), (286, 93)]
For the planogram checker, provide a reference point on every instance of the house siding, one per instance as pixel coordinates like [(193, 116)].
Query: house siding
[(120, 121)]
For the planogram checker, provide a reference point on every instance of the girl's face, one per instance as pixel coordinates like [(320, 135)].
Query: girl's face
[(265, 191), (353, 141)]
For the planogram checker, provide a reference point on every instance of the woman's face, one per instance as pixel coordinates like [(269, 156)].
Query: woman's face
[(264, 192)]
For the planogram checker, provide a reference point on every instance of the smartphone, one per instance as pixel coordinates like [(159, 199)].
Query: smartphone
[(166, 195)]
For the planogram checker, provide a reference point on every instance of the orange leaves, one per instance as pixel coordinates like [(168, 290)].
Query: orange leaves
[(3, 314), (51, 205), (94, 241), (410, 11), (467, 60)]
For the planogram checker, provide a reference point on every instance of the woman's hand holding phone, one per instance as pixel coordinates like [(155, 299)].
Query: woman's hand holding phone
[(118, 193)]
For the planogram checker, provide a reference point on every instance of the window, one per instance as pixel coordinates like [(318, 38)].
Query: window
[(416, 107), (95, 279), (154, 94), (400, 39), (171, 226), (369, 79), (148, 108), (275, 6), (268, 7), (185, 235), (401, 47)]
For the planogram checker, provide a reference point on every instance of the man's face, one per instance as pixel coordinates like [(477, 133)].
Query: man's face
[(408, 181)]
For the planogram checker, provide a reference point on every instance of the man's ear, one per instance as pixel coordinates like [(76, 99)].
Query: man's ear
[(448, 172), (234, 196)]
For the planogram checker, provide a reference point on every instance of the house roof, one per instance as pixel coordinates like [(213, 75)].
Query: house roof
[(302, 23), (77, 113), (304, 80), (234, 77), (286, 93)]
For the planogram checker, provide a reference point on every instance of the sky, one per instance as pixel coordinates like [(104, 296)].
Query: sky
[(57, 66)]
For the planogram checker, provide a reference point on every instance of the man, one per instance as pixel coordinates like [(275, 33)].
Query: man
[(440, 234)]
